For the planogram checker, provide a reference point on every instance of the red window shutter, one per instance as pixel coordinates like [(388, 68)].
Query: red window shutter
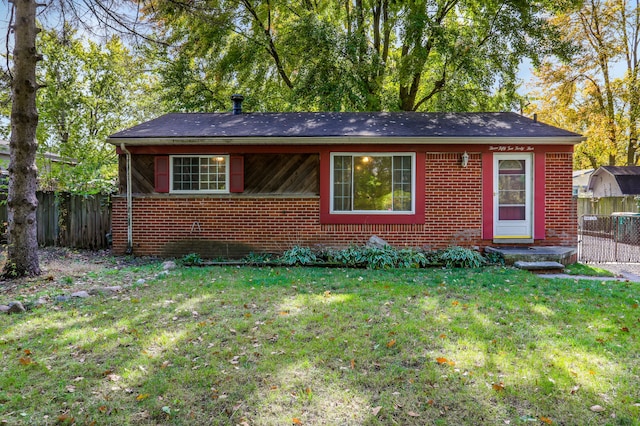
[(236, 173), (161, 173)]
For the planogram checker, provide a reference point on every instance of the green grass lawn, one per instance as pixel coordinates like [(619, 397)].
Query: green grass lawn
[(277, 346)]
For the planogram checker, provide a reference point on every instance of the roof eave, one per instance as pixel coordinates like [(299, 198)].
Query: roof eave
[(348, 140)]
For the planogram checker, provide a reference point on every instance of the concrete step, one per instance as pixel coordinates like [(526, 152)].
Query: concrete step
[(511, 255), (540, 267)]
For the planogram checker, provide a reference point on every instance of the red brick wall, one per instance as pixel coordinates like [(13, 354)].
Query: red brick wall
[(233, 225), (561, 208)]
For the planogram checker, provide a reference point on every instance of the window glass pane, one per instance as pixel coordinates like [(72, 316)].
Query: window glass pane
[(511, 213), (372, 183), (199, 173), (402, 183), (185, 173), (342, 183), (511, 190), (213, 173)]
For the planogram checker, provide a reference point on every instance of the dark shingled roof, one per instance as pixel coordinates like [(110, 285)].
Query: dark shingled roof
[(628, 178), (342, 124)]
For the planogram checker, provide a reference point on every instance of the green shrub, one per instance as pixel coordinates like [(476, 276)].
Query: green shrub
[(494, 258), (298, 256), (459, 257), (381, 258), (257, 258), (191, 259), (352, 256)]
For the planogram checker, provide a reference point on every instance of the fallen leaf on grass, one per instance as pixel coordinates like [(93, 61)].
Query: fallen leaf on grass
[(66, 420), (443, 336), (25, 361), (597, 408), (353, 364), (546, 420), (70, 388), (412, 414), (442, 360), (27, 352), (498, 386), (376, 410), (142, 396), (455, 303), (575, 389), (296, 421), (625, 329), (391, 343)]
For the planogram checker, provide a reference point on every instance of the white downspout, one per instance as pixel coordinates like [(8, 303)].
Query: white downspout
[(129, 201)]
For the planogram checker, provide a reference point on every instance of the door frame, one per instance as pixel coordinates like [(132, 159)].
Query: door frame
[(514, 230)]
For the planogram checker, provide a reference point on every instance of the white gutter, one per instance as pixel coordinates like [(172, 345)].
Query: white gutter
[(129, 202)]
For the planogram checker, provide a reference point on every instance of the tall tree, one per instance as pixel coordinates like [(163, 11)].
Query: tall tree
[(22, 259), (349, 54), (597, 92), (91, 90)]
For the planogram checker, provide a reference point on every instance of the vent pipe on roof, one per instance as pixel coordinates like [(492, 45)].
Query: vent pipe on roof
[(237, 104), (535, 118)]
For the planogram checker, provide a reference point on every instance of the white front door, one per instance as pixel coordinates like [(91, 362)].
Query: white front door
[(512, 196)]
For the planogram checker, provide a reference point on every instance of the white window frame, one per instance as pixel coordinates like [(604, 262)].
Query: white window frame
[(373, 212), (199, 191)]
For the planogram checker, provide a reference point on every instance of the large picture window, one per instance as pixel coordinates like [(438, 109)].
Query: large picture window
[(370, 183), (200, 174)]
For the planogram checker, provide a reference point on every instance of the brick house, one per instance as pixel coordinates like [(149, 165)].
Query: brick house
[(225, 184)]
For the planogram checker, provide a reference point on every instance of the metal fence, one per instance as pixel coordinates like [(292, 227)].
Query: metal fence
[(613, 238)]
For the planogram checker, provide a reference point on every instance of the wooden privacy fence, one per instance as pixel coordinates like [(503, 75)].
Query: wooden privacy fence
[(606, 205), (77, 221)]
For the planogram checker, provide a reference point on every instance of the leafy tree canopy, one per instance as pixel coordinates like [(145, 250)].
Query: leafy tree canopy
[(90, 90), (597, 91), (418, 55)]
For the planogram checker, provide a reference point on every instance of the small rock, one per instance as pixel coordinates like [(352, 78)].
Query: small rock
[(377, 242), (80, 294), (162, 274), (41, 301), (169, 265), (16, 308), (140, 281), (4, 308), (62, 298)]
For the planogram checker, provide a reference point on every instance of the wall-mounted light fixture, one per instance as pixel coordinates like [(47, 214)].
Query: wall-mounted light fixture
[(464, 160)]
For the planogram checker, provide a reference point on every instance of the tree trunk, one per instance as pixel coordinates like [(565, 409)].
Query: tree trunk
[(22, 259)]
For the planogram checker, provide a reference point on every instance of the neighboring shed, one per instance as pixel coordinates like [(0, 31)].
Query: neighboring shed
[(47, 158), (225, 184), (615, 181), (581, 182)]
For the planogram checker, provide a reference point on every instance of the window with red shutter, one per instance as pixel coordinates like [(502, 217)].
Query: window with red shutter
[(236, 173), (161, 172)]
